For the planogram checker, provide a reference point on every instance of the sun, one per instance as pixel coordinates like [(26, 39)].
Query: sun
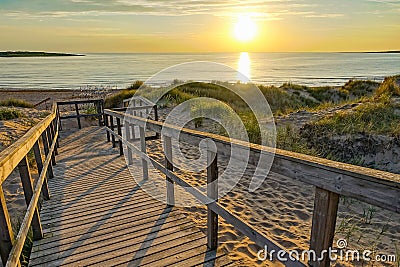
[(245, 29)]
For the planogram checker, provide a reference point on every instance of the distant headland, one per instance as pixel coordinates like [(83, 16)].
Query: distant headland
[(35, 54)]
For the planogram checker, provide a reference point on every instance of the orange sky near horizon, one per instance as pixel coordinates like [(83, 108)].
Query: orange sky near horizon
[(198, 26)]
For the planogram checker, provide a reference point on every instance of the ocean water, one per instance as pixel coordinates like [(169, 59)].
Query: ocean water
[(120, 70)]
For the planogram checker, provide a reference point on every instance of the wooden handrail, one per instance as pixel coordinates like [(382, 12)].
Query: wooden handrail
[(15, 253), (12, 155), (330, 178), (378, 188), (16, 156), (99, 104)]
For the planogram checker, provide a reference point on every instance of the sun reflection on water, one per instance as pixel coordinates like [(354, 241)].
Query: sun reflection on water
[(244, 67)]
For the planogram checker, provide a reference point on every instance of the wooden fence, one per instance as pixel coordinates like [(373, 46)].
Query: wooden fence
[(331, 179), (43, 135), (98, 105)]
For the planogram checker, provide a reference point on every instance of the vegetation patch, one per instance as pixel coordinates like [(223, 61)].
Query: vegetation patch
[(15, 103), (9, 114), (116, 100), (371, 117)]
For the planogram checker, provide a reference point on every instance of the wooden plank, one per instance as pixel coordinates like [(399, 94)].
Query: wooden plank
[(323, 224), (6, 232), (46, 148), (129, 219), (12, 155), (83, 203), (26, 181), (39, 164), (121, 149), (92, 226), (212, 192), (143, 150), (110, 248), (57, 224), (88, 242), (128, 137), (77, 115), (169, 166), (89, 101), (55, 217), (135, 251), (112, 129), (107, 125), (50, 139), (167, 254)]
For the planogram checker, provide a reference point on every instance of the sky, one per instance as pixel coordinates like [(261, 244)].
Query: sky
[(199, 25)]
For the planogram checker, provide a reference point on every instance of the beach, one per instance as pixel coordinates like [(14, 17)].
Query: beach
[(281, 208)]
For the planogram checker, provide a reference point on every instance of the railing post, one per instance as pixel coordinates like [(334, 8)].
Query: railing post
[(56, 129), (121, 149), (46, 152), (6, 232), (53, 133), (77, 115), (39, 164), (58, 116), (128, 138), (212, 192), (26, 180), (156, 119), (323, 223), (112, 129), (107, 126), (98, 109), (50, 138), (143, 149), (169, 166)]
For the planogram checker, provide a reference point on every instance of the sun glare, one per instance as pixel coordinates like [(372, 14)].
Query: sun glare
[(245, 29)]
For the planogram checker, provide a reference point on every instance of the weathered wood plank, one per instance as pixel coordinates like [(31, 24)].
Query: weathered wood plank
[(26, 181), (88, 243), (39, 164), (130, 220), (323, 223), (169, 166), (6, 232), (212, 192), (143, 149)]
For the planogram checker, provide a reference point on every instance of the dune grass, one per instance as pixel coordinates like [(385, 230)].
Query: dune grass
[(117, 99), (378, 117), (15, 103), (9, 114), (378, 114)]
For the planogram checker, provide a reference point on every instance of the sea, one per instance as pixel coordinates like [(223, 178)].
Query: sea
[(117, 71)]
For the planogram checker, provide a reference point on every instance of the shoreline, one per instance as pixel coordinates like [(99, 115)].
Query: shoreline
[(36, 54)]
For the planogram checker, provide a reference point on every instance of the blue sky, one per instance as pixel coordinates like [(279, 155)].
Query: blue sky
[(198, 26)]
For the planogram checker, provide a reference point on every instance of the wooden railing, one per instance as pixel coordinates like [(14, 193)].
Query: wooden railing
[(140, 107), (16, 155), (98, 104), (330, 178)]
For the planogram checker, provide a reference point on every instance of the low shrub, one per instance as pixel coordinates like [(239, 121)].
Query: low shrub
[(9, 114), (15, 103)]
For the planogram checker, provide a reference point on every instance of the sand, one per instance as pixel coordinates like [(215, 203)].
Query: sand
[(281, 208)]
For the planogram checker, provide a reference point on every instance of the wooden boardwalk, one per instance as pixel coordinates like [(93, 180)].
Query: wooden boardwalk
[(98, 215)]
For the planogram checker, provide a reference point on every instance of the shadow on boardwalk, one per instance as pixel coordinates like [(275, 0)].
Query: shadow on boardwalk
[(99, 215)]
